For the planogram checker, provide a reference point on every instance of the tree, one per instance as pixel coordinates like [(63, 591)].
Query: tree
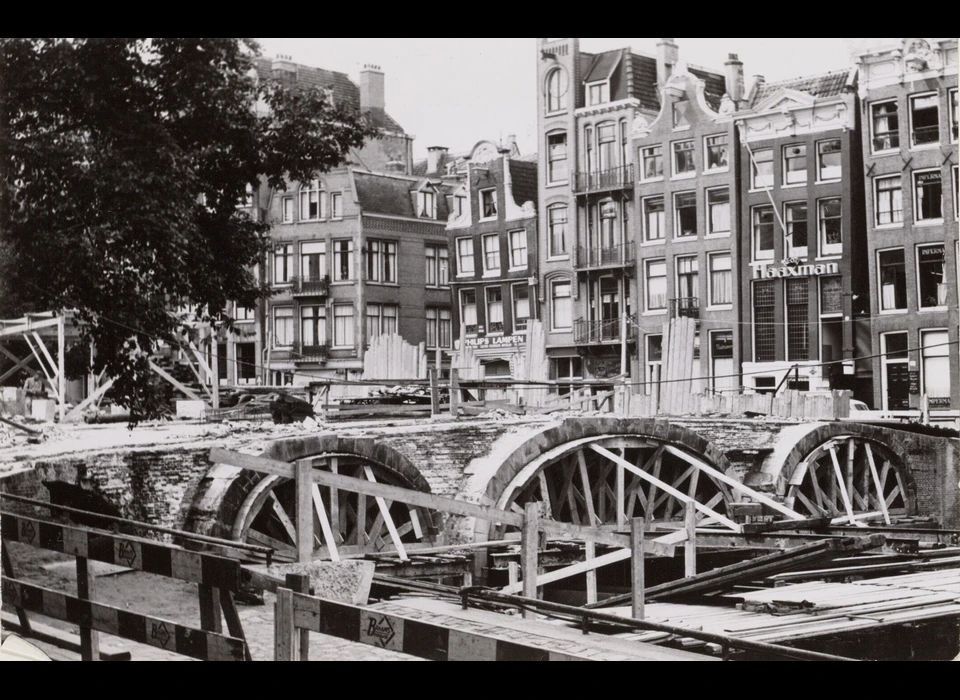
[(122, 164)]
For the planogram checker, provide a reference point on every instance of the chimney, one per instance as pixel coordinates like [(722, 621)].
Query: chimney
[(396, 167), (434, 153), (372, 97), (668, 53), (734, 69), (284, 71), (511, 145)]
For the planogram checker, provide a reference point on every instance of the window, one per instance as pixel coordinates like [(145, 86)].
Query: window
[(936, 367), (282, 326), (438, 328), (653, 224), (521, 306), (588, 148), (242, 314), (488, 204), (561, 306), (929, 194), (556, 158), (343, 325), (886, 126), (831, 296), (656, 282), (685, 206), (683, 157), (931, 283), (652, 158), (556, 90), (342, 260), (893, 280), (798, 325), (829, 160), (764, 322), (494, 310), (722, 374), (283, 264), (518, 249), (438, 274), (336, 205), (491, 253), (924, 119), (313, 260), (762, 169), (654, 363), (795, 164), (459, 205), (557, 221), (247, 362), (381, 261), (889, 203), (468, 311), (954, 127), (565, 369), (680, 110), (716, 150), (796, 222), (721, 280), (606, 146), (465, 256), (718, 210), (598, 93), (313, 326), (763, 233), (381, 320), (287, 207), (312, 202), (831, 228), (427, 204), (688, 278), (624, 143)]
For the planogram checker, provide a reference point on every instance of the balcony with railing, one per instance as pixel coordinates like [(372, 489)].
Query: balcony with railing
[(592, 257), (685, 307), (620, 178), (603, 331), (311, 286), (307, 354)]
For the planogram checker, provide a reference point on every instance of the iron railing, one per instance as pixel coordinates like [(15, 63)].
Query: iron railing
[(610, 256), (604, 180), (311, 286), (603, 331), (687, 307), (311, 353)]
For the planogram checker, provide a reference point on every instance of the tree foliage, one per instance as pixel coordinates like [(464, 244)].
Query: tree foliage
[(122, 165)]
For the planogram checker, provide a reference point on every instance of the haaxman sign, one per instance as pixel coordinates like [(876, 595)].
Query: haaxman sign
[(794, 267)]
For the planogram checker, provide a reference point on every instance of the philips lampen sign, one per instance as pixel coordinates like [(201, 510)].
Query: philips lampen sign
[(794, 267)]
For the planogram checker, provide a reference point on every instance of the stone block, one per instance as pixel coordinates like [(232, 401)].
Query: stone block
[(343, 582), (191, 409), (44, 409)]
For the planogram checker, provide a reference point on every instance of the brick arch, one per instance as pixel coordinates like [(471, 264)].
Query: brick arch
[(797, 444), (224, 489)]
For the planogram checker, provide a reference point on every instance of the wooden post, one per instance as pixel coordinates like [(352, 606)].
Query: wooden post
[(303, 471), (211, 618), (215, 374), (232, 616), (529, 544), (89, 640), (61, 367), (300, 583), (434, 393), (10, 573), (454, 392), (636, 566), (590, 553), (690, 546), (283, 629)]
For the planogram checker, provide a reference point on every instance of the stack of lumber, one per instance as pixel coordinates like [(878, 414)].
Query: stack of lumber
[(391, 357)]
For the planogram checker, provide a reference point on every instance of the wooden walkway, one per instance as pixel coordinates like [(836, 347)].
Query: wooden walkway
[(810, 610)]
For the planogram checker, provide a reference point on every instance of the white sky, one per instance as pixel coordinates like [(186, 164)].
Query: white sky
[(455, 92)]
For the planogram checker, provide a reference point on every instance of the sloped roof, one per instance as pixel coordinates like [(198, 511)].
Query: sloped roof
[(345, 91), (824, 85), (524, 176), (715, 85), (645, 81), (393, 195), (602, 65)]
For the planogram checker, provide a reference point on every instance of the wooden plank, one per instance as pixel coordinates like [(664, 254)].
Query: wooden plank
[(842, 483), (589, 565), (587, 491), (338, 535), (690, 546), (165, 375), (282, 516), (682, 497), (284, 630), (9, 572), (637, 573), (210, 613), (881, 501), (232, 617), (529, 546), (324, 523), (590, 552), (393, 493), (304, 510), (60, 638), (385, 512)]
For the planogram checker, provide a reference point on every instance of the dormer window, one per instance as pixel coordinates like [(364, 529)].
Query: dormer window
[(312, 202), (459, 205), (488, 204), (598, 93), (427, 204)]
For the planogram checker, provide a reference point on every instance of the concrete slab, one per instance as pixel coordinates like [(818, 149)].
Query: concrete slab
[(344, 582)]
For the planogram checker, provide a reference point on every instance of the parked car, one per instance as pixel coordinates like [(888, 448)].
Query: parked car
[(858, 409)]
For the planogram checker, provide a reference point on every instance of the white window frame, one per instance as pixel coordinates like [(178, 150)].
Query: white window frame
[(489, 271), (886, 360), (286, 210), (873, 136), (468, 243), (825, 249), (643, 163), (304, 248), (677, 234), (553, 254), (663, 220), (603, 88), (487, 306), (942, 351), (910, 100), (646, 287), (554, 328), (551, 160), (916, 257), (754, 238), (476, 317), (492, 191), (433, 261), (819, 167), (319, 319), (916, 197), (244, 314), (513, 307), (560, 95), (754, 171), (305, 191), (427, 204), (789, 249), (784, 160), (288, 255), (337, 254), (906, 307), (336, 205), (709, 218), (380, 257), (518, 235), (711, 302), (876, 201), (677, 175), (706, 154), (351, 328), (291, 319)]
